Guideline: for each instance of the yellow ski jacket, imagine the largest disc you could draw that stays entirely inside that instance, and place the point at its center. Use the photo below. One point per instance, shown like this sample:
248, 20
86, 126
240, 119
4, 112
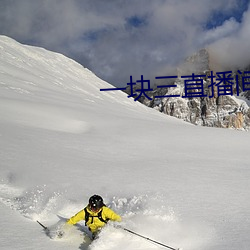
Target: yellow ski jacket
94, 223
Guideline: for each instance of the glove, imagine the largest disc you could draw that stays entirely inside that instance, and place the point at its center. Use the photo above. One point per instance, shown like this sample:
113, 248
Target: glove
60, 234
62, 229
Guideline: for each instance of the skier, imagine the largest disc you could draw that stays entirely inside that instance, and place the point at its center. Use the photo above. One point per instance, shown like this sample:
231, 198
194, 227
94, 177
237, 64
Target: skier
95, 214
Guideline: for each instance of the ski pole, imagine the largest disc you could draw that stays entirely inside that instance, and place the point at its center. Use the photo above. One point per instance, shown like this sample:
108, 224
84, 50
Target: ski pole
45, 228
146, 238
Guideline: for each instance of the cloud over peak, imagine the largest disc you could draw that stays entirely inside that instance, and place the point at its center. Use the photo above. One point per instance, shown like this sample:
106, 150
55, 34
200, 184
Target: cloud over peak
116, 39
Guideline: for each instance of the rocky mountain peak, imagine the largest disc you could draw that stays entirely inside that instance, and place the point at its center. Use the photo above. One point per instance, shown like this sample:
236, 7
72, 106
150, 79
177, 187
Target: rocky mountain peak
204, 104
198, 63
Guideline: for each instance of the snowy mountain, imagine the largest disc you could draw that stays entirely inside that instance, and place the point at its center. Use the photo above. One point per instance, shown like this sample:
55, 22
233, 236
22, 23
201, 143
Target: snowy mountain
212, 110
62, 140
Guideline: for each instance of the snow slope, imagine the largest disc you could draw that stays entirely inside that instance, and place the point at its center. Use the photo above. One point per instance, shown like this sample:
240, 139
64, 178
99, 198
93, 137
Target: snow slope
62, 140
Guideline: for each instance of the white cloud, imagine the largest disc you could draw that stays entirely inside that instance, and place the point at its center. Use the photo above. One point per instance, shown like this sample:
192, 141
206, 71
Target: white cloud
233, 50
228, 28
97, 32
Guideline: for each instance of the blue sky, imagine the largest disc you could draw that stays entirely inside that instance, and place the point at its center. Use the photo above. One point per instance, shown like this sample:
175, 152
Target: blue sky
218, 17
118, 38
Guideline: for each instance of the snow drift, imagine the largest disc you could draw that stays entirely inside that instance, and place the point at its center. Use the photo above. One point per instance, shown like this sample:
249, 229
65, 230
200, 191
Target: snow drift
63, 140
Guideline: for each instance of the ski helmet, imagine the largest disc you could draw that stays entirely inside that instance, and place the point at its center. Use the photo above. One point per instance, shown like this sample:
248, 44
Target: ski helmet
95, 202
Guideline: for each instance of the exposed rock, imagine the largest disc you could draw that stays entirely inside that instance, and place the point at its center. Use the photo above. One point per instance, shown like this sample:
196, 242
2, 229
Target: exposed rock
213, 110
